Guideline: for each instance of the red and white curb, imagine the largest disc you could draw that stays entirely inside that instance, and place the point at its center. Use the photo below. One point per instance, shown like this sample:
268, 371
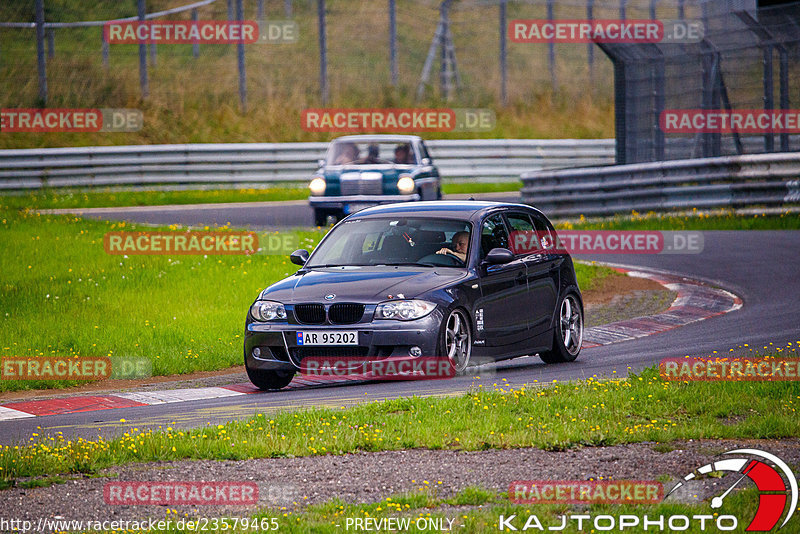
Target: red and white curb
695, 302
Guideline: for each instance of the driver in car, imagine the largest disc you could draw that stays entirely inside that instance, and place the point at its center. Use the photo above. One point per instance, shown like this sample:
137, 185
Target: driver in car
460, 242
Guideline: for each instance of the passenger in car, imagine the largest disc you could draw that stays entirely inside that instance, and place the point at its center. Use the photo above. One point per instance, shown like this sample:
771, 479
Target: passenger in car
460, 242
348, 153
402, 154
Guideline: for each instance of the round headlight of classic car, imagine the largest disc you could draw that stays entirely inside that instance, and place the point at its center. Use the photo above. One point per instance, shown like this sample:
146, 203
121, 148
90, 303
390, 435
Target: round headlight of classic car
267, 310
317, 186
403, 310
406, 185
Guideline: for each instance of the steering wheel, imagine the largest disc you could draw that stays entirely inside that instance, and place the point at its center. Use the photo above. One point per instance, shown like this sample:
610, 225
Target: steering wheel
445, 260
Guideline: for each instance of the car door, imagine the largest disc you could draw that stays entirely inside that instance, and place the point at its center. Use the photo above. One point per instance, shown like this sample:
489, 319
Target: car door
501, 316
528, 233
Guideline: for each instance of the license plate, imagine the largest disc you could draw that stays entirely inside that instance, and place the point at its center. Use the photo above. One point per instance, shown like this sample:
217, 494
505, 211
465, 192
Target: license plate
327, 337
358, 206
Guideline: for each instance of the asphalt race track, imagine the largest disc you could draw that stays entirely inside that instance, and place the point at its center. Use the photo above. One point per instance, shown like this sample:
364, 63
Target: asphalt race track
761, 267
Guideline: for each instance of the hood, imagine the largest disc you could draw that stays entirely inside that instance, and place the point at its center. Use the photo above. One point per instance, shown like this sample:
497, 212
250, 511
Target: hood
366, 285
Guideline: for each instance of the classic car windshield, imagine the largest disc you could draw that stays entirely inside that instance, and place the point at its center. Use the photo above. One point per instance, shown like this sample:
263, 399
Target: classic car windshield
394, 241
345, 152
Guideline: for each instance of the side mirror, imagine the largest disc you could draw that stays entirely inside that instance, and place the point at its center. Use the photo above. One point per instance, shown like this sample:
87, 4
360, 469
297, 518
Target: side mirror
497, 256
426, 161
321, 162
299, 257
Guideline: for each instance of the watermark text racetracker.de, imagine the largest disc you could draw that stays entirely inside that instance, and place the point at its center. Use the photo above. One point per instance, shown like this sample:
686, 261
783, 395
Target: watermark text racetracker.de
200, 31
586, 491
40, 120
605, 31
747, 368
607, 241
730, 120
397, 120
187, 242
75, 368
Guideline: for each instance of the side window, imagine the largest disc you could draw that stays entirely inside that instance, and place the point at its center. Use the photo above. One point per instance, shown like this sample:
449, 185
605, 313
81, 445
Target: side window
423, 152
546, 236
524, 237
493, 234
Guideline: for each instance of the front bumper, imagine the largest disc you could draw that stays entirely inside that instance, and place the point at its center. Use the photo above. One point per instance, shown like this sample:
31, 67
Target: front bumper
277, 343
342, 202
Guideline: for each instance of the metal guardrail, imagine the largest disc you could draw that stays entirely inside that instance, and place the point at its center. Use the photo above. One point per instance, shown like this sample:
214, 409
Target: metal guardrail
179, 166
730, 181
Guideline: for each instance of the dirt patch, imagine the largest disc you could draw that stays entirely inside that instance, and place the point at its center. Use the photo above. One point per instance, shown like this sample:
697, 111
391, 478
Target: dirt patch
616, 285
371, 477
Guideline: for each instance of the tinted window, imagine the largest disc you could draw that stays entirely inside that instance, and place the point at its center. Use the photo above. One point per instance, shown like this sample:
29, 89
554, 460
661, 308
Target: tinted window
543, 229
493, 234
393, 240
524, 238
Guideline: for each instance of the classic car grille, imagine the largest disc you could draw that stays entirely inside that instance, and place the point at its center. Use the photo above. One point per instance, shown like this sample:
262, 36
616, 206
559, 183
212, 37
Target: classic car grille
364, 183
346, 313
310, 313
298, 353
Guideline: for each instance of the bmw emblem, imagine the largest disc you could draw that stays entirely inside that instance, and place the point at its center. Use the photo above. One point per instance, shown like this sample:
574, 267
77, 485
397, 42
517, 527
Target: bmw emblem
330, 296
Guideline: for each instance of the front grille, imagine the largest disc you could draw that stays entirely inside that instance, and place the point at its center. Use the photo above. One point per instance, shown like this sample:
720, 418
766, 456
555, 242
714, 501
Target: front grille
353, 351
309, 313
365, 183
346, 313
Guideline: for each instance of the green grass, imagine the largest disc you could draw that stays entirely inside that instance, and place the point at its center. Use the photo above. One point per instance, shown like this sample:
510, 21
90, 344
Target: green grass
196, 100
67, 199
556, 417
62, 295
484, 515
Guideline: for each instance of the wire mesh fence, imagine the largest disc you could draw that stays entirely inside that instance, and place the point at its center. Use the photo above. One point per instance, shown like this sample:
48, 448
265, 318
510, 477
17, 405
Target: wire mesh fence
394, 53
747, 67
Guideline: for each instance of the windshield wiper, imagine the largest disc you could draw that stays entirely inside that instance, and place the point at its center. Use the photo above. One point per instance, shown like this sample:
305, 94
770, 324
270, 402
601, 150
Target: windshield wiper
406, 264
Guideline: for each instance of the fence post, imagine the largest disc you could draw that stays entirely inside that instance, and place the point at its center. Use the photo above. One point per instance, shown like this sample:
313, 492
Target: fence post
51, 43
783, 75
260, 14
323, 53
503, 34
681, 9
240, 60
551, 47
42, 66
623, 4
195, 45
287, 8
104, 47
393, 41
769, 96
590, 46
230, 10
142, 53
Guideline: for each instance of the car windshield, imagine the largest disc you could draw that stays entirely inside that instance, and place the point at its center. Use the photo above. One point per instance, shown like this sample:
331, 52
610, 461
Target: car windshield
371, 153
394, 241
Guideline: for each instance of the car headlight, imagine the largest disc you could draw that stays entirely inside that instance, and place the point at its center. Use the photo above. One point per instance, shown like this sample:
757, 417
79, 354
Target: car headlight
317, 186
267, 310
403, 310
406, 185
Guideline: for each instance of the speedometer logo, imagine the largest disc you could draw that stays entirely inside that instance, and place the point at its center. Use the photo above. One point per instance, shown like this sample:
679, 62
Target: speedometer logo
776, 487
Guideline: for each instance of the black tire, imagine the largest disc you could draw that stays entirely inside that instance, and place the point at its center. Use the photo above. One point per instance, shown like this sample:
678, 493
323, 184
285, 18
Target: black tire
320, 217
569, 326
459, 361
269, 380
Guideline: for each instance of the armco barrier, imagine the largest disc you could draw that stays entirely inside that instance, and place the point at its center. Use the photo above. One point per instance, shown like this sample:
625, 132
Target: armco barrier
731, 181
200, 165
